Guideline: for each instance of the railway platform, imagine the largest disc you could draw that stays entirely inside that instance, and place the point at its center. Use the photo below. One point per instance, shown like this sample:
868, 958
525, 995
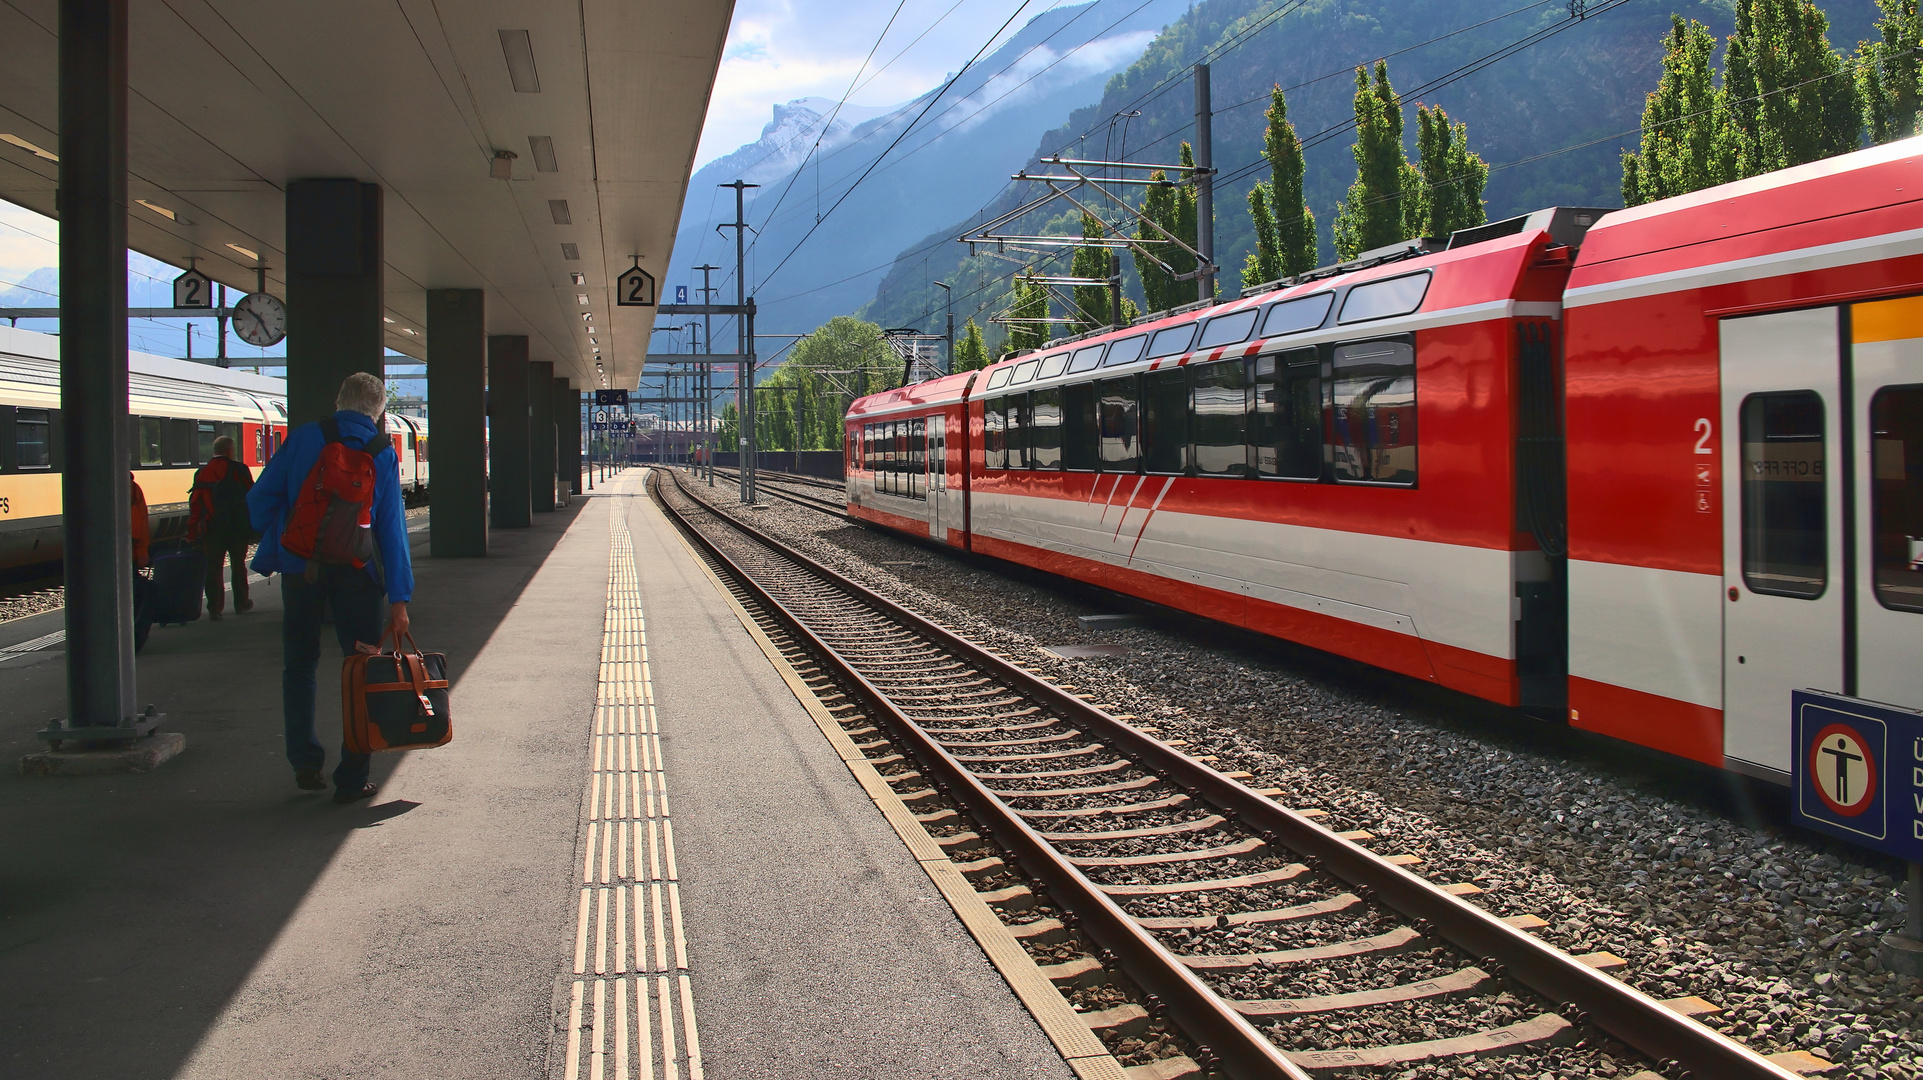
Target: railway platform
639, 857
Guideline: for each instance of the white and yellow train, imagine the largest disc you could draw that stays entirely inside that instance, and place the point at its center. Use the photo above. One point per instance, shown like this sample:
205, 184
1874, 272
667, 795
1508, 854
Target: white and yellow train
176, 409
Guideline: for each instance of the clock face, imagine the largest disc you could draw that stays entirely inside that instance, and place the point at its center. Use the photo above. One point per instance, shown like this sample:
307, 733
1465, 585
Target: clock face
260, 319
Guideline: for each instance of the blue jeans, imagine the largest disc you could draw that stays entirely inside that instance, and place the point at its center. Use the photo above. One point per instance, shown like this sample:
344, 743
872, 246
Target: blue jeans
356, 602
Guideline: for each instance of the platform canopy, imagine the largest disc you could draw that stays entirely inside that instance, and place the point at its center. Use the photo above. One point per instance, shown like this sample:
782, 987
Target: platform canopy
600, 101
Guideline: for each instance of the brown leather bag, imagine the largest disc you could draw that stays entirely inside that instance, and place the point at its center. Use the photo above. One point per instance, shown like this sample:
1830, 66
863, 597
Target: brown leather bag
394, 700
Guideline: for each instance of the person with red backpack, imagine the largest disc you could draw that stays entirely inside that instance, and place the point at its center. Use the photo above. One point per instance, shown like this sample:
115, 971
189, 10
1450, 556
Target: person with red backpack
217, 520
328, 510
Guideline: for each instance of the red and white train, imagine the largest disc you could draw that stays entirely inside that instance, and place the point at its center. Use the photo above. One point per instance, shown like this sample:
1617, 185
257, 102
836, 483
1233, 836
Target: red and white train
1648, 471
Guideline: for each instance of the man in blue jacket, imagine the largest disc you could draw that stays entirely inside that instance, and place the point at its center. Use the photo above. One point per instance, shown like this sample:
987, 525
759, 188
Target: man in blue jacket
354, 595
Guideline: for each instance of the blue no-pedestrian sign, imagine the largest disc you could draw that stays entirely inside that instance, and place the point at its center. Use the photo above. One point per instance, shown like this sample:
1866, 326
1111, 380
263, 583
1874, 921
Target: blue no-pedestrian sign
1857, 772
680, 294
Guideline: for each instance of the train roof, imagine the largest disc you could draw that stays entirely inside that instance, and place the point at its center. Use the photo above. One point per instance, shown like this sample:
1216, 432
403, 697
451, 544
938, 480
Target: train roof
1816, 211
1474, 280
35, 345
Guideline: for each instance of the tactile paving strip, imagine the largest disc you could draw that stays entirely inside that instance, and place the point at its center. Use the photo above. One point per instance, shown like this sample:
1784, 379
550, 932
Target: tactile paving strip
631, 1009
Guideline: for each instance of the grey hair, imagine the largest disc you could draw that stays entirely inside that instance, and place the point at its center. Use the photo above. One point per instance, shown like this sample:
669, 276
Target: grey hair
364, 394
224, 447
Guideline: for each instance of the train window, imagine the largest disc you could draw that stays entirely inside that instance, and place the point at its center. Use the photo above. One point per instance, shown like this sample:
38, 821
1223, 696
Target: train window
1381, 299
1085, 359
994, 445
1785, 515
1172, 341
917, 470
205, 432
1165, 421
1116, 410
1081, 441
1025, 372
1227, 329
1045, 429
1295, 316
1015, 430
150, 441
1219, 421
420, 448
32, 439
999, 378
1896, 496
1053, 366
1125, 351
1372, 412
1287, 428
177, 442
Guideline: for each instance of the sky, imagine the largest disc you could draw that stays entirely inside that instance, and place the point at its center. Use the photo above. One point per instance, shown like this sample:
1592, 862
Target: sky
780, 50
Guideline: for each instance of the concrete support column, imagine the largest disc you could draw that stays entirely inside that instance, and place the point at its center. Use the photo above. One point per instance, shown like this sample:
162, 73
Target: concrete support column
541, 453
507, 432
334, 298
94, 442
567, 434
457, 454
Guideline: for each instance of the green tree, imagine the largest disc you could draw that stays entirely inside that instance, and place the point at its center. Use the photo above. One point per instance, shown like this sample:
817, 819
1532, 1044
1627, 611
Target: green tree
971, 352
1790, 95
1028, 301
1091, 301
1688, 138
1170, 204
1452, 174
801, 404
1889, 76
1285, 238
1385, 203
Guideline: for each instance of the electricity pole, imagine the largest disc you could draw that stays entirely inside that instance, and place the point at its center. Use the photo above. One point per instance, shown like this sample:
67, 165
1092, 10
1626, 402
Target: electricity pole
1204, 186
707, 370
948, 298
745, 371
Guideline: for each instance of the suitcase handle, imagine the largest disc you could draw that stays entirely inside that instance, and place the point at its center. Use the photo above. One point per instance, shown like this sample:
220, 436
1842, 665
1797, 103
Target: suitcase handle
412, 661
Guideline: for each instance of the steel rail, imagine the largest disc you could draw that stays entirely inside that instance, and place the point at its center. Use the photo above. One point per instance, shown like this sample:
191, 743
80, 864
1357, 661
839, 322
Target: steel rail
1583, 994
1222, 1034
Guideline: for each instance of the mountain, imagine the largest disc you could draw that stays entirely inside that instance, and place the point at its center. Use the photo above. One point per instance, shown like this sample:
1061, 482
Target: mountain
1552, 119
958, 156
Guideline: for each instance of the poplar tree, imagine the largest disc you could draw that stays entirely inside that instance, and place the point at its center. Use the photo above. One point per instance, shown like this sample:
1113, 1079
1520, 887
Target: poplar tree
1091, 301
1172, 206
1385, 203
1790, 96
1285, 239
971, 352
1889, 76
1688, 140
1029, 301
1452, 175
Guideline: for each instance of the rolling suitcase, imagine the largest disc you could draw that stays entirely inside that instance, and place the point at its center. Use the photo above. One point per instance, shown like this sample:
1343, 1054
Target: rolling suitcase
394, 700
180, 580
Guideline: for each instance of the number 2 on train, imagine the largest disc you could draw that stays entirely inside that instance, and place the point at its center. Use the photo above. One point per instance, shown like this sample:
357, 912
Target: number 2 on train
1703, 430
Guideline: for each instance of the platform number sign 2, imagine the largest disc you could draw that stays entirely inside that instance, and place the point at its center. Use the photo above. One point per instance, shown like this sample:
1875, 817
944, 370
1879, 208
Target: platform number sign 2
1703, 475
634, 288
193, 289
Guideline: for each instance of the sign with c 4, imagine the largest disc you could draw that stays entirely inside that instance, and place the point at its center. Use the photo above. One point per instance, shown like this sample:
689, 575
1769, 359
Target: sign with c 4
1857, 771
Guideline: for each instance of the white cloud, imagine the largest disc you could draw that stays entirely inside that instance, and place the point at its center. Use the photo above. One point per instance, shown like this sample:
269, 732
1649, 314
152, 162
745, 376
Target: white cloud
779, 50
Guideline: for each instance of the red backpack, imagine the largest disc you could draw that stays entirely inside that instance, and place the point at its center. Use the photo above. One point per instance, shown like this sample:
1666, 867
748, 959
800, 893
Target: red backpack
332, 522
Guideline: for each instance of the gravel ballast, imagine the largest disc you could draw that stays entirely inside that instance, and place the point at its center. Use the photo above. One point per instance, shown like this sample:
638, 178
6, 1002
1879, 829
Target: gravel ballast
1689, 875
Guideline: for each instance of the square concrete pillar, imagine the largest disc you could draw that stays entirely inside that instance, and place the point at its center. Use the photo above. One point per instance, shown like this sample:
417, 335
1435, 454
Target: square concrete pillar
457, 454
567, 433
541, 448
509, 503
334, 297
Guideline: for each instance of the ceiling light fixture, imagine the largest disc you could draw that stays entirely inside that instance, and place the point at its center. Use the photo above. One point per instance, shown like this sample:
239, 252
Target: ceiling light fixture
580, 298
28, 147
518, 50
570, 252
405, 330
502, 167
587, 316
385, 319
161, 210
579, 279
542, 147
254, 255
558, 210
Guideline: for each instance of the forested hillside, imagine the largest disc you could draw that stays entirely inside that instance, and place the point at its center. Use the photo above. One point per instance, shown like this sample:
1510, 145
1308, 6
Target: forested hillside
1551, 102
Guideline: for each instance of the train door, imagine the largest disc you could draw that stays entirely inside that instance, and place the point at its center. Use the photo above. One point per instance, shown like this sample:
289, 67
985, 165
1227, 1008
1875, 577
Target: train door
937, 476
1782, 568
1886, 404
1823, 514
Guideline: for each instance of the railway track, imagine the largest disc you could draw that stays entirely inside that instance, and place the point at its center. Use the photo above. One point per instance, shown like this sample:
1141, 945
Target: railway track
836, 506
1276, 947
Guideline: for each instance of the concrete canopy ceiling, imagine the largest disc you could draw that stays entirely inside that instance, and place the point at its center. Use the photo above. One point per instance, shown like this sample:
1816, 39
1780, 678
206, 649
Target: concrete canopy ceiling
229, 100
